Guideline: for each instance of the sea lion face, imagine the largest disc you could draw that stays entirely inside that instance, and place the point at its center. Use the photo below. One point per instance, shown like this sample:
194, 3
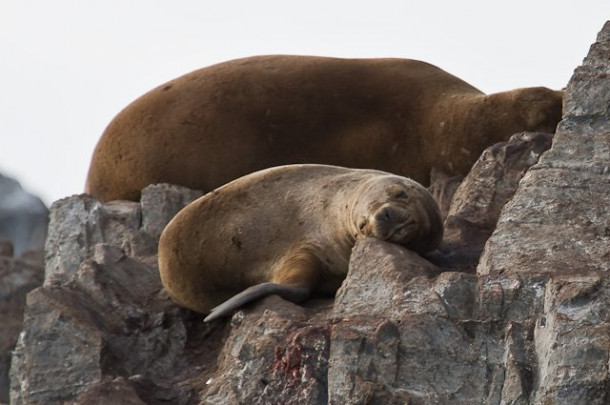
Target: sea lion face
401, 211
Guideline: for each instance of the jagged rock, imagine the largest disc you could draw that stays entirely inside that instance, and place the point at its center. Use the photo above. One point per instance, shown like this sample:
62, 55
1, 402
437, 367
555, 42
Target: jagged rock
23, 217
158, 206
79, 223
426, 339
379, 277
110, 391
17, 277
558, 221
525, 329
494, 178
275, 354
101, 313
476, 203
572, 341
557, 228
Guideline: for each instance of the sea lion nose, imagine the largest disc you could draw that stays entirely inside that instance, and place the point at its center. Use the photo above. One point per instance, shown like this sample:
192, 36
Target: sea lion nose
384, 215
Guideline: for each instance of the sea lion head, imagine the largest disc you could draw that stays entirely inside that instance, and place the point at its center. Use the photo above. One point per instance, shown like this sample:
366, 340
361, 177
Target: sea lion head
527, 109
401, 211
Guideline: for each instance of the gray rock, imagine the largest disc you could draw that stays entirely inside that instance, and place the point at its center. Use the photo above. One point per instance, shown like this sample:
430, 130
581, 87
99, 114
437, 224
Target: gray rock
379, 281
477, 201
59, 353
556, 228
17, 277
572, 341
102, 312
160, 202
494, 178
110, 391
386, 346
273, 355
79, 223
558, 220
454, 338
23, 217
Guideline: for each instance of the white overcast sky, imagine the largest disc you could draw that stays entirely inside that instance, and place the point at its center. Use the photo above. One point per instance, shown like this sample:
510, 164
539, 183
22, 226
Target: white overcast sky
68, 67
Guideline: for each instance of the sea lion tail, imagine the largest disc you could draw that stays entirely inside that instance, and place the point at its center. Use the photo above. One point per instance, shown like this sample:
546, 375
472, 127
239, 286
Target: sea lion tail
287, 292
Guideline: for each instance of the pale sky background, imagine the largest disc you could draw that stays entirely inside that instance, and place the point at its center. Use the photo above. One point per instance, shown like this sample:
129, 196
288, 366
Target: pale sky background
68, 67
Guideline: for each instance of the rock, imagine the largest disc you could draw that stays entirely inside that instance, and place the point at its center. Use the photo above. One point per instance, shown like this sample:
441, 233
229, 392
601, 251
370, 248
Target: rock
110, 391
160, 203
18, 276
556, 228
558, 221
79, 223
273, 355
494, 178
101, 313
477, 201
572, 341
23, 217
379, 278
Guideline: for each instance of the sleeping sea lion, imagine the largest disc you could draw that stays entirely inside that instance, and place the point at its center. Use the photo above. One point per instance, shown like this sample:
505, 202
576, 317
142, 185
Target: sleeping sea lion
289, 231
216, 124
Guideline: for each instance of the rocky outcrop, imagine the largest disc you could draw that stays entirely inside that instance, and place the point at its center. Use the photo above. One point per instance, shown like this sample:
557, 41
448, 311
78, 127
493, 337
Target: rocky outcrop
557, 228
18, 276
559, 217
522, 329
478, 200
102, 322
23, 217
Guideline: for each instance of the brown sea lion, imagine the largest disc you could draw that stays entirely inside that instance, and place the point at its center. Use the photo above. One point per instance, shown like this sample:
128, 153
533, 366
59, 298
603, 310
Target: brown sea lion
216, 124
289, 231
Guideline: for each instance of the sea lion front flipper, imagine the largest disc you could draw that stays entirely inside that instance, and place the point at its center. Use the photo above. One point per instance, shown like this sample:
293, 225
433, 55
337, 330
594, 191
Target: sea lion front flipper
287, 292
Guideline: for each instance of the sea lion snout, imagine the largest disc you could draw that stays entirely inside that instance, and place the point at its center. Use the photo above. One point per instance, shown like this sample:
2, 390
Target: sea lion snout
390, 215
393, 223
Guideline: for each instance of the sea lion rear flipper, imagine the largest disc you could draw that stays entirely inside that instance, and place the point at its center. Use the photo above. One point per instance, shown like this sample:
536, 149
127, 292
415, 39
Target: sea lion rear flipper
287, 292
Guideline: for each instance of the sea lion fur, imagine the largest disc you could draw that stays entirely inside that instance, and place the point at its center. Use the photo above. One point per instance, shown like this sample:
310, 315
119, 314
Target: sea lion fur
218, 123
289, 231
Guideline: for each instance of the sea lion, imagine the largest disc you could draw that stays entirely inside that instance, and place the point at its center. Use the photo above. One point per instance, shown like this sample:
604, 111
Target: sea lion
289, 231
216, 124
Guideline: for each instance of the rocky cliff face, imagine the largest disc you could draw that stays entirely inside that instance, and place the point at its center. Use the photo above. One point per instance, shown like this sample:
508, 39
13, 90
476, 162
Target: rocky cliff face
527, 324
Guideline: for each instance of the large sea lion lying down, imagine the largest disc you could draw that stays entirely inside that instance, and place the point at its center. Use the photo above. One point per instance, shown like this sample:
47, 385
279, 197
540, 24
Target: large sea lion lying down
289, 231
216, 124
